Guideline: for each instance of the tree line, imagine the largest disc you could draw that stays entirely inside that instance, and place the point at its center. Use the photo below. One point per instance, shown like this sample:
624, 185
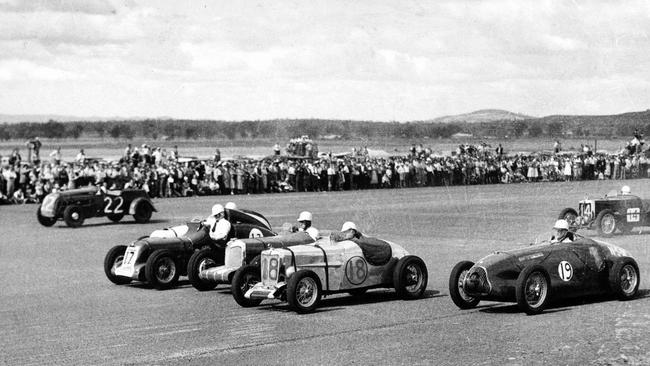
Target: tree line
282, 129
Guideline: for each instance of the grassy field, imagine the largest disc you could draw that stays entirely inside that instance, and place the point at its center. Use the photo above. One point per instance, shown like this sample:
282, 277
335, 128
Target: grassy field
112, 149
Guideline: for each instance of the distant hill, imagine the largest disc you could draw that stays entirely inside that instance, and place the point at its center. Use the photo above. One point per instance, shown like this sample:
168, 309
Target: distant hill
483, 115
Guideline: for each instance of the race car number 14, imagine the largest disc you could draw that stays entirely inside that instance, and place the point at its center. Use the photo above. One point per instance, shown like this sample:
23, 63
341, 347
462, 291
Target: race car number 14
565, 270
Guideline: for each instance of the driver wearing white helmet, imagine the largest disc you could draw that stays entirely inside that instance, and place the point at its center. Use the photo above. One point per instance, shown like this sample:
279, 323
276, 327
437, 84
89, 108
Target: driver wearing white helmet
218, 225
562, 233
349, 231
231, 206
625, 190
304, 221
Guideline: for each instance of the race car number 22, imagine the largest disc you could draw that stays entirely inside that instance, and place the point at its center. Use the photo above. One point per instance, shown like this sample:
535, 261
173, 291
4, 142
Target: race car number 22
565, 270
113, 209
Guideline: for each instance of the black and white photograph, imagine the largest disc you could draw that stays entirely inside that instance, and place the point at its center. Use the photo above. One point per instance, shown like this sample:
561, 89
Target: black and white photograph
454, 182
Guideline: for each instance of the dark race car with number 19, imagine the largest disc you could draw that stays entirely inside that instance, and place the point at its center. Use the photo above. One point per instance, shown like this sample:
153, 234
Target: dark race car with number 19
535, 275
76, 205
616, 211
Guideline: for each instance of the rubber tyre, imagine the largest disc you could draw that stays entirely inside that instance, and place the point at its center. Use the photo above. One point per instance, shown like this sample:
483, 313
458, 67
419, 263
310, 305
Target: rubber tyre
456, 292
199, 261
142, 213
69, 215
242, 281
112, 260
161, 270
606, 218
115, 217
304, 291
45, 221
570, 215
524, 292
410, 277
624, 278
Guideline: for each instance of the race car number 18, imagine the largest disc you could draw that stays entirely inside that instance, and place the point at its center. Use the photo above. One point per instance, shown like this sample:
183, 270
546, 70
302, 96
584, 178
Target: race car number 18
565, 270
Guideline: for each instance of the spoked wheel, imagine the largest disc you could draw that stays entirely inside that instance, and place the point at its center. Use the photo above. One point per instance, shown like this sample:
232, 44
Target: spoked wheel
570, 215
199, 262
457, 286
304, 291
161, 270
533, 289
606, 223
245, 278
410, 277
624, 278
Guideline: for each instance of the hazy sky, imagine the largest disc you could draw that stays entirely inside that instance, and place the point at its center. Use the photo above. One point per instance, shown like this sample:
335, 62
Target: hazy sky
373, 60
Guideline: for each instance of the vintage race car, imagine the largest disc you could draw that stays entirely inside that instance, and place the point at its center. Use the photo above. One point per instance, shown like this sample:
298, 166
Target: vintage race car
163, 256
607, 214
535, 275
76, 205
302, 274
204, 274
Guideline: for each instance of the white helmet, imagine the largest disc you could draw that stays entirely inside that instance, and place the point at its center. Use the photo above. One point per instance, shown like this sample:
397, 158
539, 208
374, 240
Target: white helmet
304, 216
561, 224
231, 206
626, 190
217, 209
349, 225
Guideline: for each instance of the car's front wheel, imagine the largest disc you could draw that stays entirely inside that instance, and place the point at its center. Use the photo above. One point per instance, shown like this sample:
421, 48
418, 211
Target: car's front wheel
533, 289
200, 261
570, 215
245, 278
143, 212
114, 259
45, 221
457, 286
606, 223
73, 216
624, 278
161, 270
304, 291
410, 277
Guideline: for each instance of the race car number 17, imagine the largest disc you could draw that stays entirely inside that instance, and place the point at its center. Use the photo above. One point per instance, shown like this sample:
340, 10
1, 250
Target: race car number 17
565, 270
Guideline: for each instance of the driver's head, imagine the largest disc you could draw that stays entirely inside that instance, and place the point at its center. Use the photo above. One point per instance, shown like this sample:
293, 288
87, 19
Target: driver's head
626, 190
231, 206
561, 228
304, 219
217, 211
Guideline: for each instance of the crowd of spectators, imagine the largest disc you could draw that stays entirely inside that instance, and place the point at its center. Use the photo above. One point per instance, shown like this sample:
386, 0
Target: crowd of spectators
164, 173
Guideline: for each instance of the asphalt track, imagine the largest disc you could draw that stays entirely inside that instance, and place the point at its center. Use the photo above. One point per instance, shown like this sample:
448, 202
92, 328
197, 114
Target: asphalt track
57, 307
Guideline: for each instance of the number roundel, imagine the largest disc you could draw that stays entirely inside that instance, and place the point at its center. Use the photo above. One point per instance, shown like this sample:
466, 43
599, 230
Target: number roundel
565, 271
356, 270
255, 233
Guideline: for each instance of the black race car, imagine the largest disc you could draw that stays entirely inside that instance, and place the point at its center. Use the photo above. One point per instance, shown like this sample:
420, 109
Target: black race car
76, 205
163, 256
615, 211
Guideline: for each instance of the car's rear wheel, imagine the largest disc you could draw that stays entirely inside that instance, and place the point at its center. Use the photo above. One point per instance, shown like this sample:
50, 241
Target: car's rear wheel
533, 291
43, 220
304, 291
114, 259
457, 284
200, 261
73, 216
606, 223
115, 217
410, 277
570, 215
143, 212
245, 278
624, 278
161, 270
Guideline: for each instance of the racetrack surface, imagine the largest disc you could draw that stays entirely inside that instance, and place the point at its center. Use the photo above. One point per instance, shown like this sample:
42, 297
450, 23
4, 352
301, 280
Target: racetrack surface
57, 307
